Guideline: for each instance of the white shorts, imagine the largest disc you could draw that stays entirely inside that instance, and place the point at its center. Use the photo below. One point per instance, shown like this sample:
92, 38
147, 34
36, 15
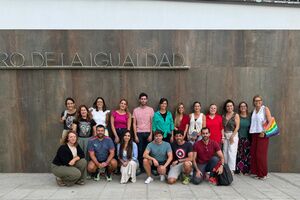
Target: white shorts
176, 170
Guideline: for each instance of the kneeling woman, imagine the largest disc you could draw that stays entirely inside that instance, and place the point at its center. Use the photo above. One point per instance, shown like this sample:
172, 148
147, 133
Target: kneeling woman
127, 155
69, 164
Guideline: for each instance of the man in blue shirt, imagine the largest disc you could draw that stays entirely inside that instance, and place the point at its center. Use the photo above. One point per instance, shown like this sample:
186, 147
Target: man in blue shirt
102, 151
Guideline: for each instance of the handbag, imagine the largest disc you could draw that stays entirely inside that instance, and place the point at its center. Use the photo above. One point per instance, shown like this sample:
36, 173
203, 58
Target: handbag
226, 177
271, 130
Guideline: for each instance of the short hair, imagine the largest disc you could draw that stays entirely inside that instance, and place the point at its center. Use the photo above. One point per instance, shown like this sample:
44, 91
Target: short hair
100, 126
196, 103
162, 100
69, 99
158, 132
256, 96
243, 102
205, 128
143, 95
177, 132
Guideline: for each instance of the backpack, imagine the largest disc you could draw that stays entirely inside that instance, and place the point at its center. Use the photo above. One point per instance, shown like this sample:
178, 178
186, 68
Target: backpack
226, 177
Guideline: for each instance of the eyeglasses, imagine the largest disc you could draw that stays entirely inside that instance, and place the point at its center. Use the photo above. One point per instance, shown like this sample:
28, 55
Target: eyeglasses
257, 100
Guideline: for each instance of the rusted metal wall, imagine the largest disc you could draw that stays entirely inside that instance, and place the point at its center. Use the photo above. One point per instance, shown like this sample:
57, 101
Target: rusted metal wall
224, 64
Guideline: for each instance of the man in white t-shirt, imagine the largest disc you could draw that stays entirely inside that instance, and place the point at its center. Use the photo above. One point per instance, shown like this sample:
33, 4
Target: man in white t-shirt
142, 123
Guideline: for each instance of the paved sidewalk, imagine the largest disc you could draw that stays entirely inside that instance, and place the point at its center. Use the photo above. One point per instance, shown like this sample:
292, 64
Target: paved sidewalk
43, 186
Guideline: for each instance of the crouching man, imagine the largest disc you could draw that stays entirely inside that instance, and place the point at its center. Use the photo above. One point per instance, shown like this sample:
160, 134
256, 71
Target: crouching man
102, 151
183, 156
208, 157
158, 155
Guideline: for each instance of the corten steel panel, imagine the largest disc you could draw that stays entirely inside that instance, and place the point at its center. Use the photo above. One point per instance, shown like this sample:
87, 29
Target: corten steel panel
224, 64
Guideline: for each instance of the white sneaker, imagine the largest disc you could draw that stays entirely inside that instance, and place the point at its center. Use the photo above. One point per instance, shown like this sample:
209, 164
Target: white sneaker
148, 180
162, 178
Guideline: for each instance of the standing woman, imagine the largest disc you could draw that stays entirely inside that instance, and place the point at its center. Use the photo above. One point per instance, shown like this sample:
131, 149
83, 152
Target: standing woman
69, 164
231, 123
259, 147
181, 120
163, 121
100, 113
215, 125
67, 117
127, 152
120, 121
243, 153
85, 127
197, 120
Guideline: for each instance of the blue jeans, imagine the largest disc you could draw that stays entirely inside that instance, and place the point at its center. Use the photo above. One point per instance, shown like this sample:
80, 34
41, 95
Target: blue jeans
206, 167
143, 142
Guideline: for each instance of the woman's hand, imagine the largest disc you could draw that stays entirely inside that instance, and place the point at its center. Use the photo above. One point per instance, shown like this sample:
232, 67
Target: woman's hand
117, 139
72, 162
231, 139
125, 163
261, 135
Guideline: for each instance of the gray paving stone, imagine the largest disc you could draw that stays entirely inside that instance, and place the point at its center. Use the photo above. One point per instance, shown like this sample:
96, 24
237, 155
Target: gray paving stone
43, 186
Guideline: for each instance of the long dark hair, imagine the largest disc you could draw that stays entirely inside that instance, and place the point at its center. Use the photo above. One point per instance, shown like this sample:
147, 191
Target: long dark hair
95, 104
129, 146
225, 104
79, 117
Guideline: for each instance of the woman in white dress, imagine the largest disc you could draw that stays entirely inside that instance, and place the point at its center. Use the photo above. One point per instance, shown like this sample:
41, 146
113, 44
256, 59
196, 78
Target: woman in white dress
127, 154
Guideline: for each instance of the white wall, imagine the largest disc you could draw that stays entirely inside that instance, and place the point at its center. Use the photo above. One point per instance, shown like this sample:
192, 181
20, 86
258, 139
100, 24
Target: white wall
93, 14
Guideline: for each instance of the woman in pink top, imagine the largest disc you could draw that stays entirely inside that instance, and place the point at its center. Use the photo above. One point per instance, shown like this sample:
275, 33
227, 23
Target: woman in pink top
214, 123
120, 120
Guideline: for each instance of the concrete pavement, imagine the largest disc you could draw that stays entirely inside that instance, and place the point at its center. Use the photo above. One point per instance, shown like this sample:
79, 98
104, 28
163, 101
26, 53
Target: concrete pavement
43, 186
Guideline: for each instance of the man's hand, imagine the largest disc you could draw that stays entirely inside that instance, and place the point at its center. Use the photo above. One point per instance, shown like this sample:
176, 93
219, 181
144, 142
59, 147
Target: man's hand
149, 139
220, 169
104, 164
136, 139
198, 173
175, 162
155, 163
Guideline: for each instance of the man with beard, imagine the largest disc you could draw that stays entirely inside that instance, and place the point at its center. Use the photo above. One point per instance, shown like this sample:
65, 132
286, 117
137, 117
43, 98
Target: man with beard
183, 156
101, 150
208, 157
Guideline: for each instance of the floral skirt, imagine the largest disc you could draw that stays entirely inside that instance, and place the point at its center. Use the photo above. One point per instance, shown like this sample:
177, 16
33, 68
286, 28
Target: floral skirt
243, 156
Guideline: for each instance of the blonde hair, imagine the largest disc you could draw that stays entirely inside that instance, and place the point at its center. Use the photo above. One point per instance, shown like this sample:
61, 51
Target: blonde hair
177, 119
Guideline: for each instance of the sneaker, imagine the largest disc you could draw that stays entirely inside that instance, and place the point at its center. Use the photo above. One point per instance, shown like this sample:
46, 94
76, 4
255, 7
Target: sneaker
97, 176
108, 177
162, 178
60, 182
88, 177
148, 180
186, 180
213, 180
80, 182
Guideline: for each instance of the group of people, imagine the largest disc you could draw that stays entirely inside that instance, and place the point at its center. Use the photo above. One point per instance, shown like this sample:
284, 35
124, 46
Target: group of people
96, 141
